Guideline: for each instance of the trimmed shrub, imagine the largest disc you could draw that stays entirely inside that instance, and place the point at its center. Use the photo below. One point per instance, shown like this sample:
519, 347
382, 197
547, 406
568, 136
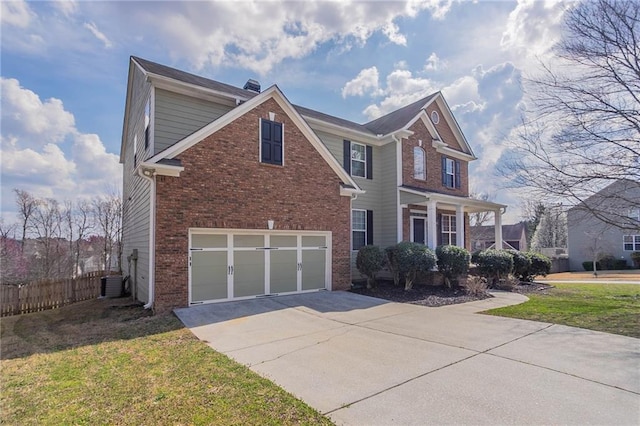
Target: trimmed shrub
540, 265
452, 262
607, 262
413, 258
370, 261
392, 262
521, 265
494, 264
476, 286
588, 265
635, 257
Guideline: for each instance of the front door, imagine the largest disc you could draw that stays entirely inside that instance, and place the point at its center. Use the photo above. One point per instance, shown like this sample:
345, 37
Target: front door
419, 230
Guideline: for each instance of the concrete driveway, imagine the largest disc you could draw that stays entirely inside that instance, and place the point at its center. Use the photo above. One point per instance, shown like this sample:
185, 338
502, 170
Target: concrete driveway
365, 361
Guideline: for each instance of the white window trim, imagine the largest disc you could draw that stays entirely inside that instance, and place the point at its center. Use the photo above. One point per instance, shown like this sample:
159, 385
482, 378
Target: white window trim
635, 242
424, 163
362, 161
365, 230
452, 221
453, 171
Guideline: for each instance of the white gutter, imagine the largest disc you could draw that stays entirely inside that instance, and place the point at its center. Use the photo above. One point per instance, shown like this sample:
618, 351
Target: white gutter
399, 227
149, 175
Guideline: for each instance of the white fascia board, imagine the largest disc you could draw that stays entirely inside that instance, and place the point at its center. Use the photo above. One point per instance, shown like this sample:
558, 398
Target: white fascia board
444, 149
127, 109
470, 203
453, 123
323, 126
300, 122
177, 86
351, 191
162, 169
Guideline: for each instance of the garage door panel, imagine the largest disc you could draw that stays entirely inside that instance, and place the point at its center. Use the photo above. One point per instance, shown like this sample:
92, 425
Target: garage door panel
284, 271
248, 273
208, 276
208, 241
313, 269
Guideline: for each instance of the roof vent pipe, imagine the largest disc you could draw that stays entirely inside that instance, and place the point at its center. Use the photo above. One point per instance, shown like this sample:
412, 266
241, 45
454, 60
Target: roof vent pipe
252, 85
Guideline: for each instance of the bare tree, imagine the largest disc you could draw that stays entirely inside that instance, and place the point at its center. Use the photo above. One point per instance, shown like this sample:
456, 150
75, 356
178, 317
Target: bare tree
47, 227
26, 206
582, 131
552, 229
107, 212
480, 218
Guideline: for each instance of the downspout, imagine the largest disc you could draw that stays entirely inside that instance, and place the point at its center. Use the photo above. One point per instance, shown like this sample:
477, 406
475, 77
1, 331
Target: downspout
399, 230
149, 175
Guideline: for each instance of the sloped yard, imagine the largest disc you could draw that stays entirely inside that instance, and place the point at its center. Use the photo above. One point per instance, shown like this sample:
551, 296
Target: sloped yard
109, 362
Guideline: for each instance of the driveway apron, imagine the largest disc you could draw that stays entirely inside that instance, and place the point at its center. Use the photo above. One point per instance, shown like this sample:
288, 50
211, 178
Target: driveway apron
366, 361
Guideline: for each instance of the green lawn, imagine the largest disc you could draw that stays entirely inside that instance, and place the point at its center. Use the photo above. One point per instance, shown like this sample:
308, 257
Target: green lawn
612, 308
100, 363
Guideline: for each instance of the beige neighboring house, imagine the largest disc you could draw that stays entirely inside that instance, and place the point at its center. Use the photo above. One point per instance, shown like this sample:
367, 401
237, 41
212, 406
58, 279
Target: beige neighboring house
616, 232
514, 237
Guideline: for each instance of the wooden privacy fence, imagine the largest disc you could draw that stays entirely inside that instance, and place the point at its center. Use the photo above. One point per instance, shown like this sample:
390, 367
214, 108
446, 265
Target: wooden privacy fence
48, 294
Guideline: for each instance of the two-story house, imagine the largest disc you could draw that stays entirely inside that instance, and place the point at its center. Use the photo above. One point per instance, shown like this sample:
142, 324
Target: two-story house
234, 193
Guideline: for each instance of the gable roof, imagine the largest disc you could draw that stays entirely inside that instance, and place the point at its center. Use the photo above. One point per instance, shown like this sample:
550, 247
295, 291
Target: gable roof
274, 93
399, 118
509, 232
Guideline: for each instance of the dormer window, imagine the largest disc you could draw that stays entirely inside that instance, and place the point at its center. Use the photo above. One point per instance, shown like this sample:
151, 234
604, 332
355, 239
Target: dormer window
271, 142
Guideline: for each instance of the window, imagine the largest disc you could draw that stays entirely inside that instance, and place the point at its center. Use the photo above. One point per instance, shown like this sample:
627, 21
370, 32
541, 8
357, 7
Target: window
419, 164
634, 214
448, 230
358, 160
450, 173
361, 228
435, 118
631, 242
147, 121
271, 142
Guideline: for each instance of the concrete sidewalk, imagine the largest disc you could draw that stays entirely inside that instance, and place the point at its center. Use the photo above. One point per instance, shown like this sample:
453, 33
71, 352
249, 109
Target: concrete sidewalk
365, 361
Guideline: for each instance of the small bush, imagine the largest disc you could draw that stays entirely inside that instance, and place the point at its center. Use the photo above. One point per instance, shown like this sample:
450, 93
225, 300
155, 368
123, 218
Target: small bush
474, 256
392, 262
494, 264
452, 262
540, 265
588, 265
607, 262
476, 286
412, 259
370, 261
635, 257
521, 265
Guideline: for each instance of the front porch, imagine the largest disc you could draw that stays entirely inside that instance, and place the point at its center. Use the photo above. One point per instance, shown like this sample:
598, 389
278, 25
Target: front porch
435, 219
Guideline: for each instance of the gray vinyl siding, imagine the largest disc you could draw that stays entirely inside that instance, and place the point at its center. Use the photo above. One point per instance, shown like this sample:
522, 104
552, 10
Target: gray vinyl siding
334, 143
177, 115
388, 202
135, 221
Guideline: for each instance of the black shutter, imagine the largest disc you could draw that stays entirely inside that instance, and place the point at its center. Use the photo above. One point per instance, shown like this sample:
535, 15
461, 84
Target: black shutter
457, 174
369, 162
276, 144
444, 170
267, 145
369, 227
346, 149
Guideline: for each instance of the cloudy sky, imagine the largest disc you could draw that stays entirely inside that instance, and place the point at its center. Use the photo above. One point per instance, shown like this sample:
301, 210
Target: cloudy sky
64, 72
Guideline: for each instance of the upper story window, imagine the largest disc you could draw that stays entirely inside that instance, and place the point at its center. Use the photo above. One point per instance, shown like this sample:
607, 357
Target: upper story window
435, 118
361, 228
358, 159
631, 242
147, 122
419, 163
271, 142
450, 172
634, 213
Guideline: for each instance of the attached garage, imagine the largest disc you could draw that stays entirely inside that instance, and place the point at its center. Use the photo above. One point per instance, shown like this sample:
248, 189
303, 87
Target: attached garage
239, 264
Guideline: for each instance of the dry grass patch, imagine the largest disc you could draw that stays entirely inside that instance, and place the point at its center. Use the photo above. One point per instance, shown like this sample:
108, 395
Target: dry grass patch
109, 362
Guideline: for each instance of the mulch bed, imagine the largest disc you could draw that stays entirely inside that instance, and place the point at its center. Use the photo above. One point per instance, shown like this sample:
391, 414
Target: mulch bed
433, 296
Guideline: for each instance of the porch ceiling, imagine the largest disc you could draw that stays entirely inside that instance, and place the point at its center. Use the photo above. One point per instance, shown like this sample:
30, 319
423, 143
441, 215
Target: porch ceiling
446, 201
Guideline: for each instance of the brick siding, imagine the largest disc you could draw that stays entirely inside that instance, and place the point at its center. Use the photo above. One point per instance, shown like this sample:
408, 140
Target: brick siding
225, 186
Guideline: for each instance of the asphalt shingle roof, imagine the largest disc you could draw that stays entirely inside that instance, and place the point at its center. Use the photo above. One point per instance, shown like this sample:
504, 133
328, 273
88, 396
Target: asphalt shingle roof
399, 118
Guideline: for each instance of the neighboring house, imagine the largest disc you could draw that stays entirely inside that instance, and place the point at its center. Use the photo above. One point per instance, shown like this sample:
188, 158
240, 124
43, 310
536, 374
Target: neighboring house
607, 223
235, 193
514, 237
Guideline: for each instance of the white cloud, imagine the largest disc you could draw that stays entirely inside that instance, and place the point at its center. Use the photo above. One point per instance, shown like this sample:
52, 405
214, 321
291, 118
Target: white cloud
365, 81
98, 34
391, 30
533, 27
24, 113
15, 13
43, 153
434, 63
67, 7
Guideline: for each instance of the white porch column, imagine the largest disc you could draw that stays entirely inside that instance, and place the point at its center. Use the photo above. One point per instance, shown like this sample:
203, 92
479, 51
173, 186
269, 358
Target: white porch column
432, 229
498, 227
460, 225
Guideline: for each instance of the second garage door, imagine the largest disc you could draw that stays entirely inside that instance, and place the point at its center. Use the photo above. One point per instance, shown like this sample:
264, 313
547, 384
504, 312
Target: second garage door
226, 265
